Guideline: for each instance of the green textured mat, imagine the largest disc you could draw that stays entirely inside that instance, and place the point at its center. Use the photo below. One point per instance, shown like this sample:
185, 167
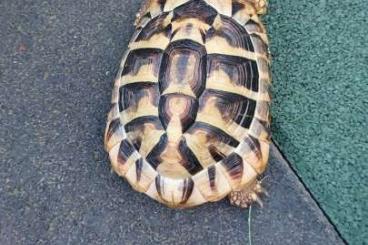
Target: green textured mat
320, 72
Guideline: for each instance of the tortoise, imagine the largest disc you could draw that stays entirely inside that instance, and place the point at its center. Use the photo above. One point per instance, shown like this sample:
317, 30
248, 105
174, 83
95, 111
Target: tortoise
190, 121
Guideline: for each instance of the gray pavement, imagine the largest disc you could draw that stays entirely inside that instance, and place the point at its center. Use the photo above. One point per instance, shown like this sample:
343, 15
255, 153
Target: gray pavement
57, 64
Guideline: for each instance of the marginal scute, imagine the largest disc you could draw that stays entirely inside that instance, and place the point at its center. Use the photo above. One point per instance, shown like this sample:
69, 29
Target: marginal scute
259, 45
122, 157
114, 133
260, 130
234, 165
239, 13
264, 71
126, 150
189, 120
212, 184
252, 26
141, 175
259, 32
175, 193
263, 111
255, 153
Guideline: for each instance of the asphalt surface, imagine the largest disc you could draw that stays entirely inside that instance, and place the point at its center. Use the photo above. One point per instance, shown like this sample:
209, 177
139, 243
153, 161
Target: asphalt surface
57, 64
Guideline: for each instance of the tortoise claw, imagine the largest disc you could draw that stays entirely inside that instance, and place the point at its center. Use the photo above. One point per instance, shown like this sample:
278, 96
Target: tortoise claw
248, 195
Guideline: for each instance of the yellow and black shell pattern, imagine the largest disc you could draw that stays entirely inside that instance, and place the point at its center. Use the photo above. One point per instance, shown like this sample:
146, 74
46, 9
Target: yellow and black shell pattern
190, 119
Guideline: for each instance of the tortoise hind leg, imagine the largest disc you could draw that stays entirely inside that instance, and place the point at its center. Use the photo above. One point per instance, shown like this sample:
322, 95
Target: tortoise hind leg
246, 197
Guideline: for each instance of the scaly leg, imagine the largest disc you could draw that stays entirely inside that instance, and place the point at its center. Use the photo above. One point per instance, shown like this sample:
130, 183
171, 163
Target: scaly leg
142, 11
248, 195
259, 5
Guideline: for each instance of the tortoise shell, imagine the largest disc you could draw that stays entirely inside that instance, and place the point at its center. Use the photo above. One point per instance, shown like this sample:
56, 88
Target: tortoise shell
190, 120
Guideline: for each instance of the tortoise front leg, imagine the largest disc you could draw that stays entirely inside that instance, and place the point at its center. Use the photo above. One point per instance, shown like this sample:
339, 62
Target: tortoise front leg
260, 6
142, 11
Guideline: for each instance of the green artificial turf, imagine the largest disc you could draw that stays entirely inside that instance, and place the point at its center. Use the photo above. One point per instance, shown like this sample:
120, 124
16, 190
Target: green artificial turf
320, 90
